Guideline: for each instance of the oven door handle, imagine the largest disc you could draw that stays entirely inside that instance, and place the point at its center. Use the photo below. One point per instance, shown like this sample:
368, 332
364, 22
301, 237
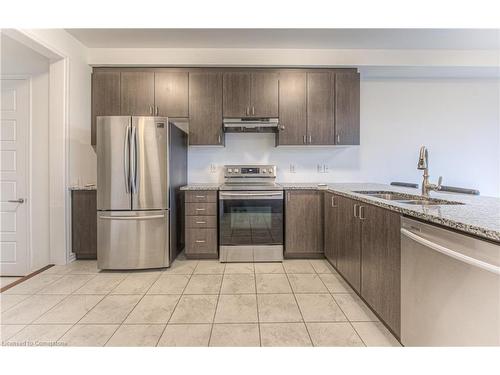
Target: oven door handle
276, 195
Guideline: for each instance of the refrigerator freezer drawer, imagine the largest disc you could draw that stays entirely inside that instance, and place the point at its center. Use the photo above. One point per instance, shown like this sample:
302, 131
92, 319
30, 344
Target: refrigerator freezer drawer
132, 239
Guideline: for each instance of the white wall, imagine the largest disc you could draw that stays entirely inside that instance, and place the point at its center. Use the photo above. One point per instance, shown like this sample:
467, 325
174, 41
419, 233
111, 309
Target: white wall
16, 59
457, 119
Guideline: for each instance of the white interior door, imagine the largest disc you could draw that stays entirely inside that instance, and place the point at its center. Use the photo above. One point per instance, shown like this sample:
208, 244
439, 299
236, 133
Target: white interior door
14, 168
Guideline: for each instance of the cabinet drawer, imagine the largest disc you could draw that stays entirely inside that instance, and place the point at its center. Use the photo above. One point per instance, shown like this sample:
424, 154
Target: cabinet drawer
203, 196
201, 222
201, 209
201, 241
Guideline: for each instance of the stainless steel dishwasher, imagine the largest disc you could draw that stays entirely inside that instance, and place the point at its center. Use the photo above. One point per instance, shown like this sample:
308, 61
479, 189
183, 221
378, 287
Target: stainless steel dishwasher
450, 288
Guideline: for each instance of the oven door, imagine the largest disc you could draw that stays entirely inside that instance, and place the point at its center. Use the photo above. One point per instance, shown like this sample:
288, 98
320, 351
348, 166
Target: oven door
251, 226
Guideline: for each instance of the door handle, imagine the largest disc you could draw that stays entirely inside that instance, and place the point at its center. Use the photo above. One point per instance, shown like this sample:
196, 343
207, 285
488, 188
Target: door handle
20, 200
132, 217
126, 156
136, 161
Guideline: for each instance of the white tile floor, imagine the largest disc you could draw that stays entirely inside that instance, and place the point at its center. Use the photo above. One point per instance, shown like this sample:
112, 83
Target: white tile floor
193, 303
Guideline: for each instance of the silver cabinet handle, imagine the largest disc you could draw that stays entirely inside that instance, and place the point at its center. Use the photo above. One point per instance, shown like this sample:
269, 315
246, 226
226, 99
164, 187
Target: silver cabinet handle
201, 196
219, 138
150, 109
304, 139
333, 202
253, 110
20, 200
282, 127
200, 241
200, 209
201, 222
361, 213
246, 111
156, 111
338, 138
356, 210
310, 138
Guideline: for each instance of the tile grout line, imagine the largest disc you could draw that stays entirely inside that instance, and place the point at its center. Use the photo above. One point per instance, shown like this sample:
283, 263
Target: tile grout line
173, 310
257, 305
216, 305
298, 306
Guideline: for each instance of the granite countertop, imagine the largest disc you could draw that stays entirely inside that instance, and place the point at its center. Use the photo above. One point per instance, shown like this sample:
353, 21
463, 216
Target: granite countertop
478, 215
209, 186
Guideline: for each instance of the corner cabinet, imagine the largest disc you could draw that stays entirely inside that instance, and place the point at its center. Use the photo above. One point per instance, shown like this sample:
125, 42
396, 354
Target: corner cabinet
362, 242
303, 223
105, 98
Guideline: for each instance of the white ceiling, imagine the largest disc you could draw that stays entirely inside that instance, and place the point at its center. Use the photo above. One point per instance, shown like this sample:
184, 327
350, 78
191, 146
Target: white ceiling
291, 38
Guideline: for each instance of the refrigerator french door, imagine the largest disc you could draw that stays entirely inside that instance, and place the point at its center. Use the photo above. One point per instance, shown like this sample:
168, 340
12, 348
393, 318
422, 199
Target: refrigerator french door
132, 192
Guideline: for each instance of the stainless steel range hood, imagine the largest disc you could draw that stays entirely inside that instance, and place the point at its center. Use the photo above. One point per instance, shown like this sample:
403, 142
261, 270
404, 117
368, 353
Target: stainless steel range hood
250, 125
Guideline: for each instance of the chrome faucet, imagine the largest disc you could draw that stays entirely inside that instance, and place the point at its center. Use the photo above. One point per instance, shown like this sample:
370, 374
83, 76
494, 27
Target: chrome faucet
423, 164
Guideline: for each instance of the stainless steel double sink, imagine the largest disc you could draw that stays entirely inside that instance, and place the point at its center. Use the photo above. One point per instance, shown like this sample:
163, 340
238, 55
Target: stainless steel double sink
406, 198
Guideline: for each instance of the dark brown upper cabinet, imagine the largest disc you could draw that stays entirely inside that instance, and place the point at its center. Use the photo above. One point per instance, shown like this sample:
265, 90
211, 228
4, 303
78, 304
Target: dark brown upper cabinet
105, 97
292, 108
205, 108
320, 108
347, 92
171, 93
250, 94
303, 223
137, 93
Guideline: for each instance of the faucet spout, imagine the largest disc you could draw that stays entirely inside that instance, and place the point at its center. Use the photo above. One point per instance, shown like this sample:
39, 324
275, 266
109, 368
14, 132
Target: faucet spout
423, 159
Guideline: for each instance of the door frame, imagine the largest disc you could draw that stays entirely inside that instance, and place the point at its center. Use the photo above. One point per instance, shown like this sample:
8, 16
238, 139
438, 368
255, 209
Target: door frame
59, 194
28, 166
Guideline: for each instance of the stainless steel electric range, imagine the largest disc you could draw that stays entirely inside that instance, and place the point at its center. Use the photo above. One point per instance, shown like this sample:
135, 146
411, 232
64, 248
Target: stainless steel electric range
250, 215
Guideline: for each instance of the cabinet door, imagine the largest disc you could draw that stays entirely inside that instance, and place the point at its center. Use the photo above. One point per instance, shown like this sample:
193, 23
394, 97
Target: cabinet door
264, 94
205, 108
333, 229
137, 93
347, 108
105, 97
292, 108
349, 243
84, 223
320, 108
381, 263
171, 94
303, 223
236, 94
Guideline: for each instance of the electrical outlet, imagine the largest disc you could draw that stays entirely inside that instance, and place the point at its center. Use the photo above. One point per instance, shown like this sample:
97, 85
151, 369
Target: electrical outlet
318, 167
292, 168
325, 168
213, 168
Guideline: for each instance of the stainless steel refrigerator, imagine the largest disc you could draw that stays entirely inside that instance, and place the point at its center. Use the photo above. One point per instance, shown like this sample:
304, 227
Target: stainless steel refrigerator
141, 165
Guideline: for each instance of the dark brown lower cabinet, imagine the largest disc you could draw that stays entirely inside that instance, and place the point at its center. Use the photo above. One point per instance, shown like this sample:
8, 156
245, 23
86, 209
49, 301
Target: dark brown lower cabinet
363, 242
303, 223
201, 224
347, 231
381, 263
84, 223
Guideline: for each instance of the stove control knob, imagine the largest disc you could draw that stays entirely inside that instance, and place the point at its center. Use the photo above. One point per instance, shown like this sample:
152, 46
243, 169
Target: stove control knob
230, 170
270, 170
236, 170
264, 170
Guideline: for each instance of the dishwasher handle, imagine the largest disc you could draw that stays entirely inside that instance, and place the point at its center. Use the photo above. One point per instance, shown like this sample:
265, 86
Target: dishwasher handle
448, 252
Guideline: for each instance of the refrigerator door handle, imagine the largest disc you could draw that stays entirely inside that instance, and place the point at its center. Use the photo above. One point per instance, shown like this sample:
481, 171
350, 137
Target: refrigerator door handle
151, 217
126, 158
134, 160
